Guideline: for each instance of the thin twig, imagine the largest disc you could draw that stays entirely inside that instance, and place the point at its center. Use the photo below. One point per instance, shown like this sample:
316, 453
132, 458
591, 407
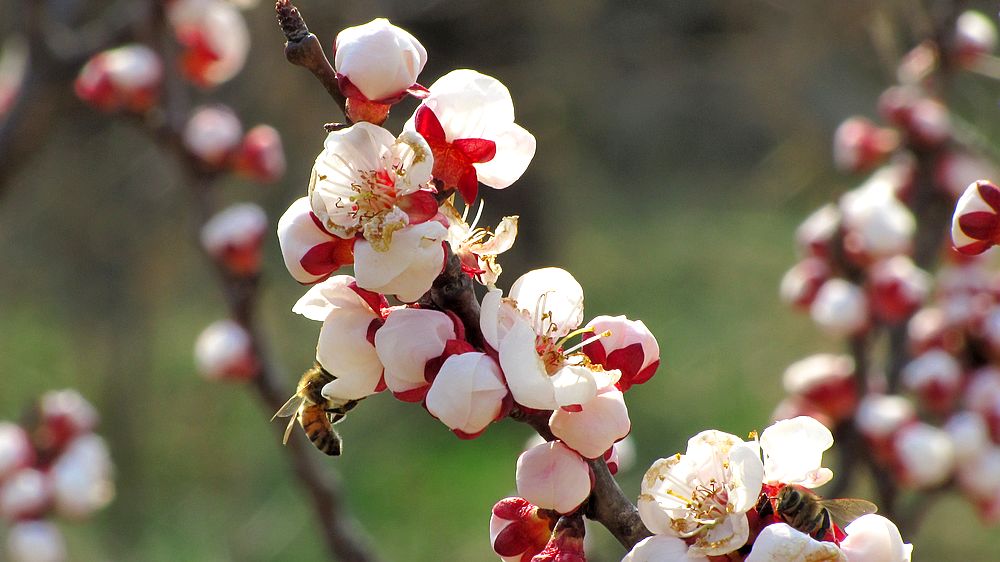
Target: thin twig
304, 49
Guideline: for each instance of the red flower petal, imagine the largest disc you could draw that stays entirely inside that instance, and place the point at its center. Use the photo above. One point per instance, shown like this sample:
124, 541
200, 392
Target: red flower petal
468, 185
476, 150
428, 125
325, 258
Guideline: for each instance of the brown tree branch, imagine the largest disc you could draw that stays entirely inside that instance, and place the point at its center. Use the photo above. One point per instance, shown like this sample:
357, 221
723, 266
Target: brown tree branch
304, 49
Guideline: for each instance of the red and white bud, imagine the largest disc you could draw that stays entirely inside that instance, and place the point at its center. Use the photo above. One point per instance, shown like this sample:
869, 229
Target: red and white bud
630, 348
955, 170
36, 541
936, 377
594, 429
621, 456
346, 347
25, 494
975, 36
81, 477
979, 476
779, 542
261, 156
879, 416
800, 284
520, 530
969, 434
925, 454
16, 451
840, 308
860, 145
825, 381
975, 226
234, 237
929, 329
126, 77
468, 393
376, 64
215, 38
65, 414
406, 342
662, 548
877, 225
873, 538
311, 253
224, 351
212, 134
897, 288
552, 476
566, 544
814, 237
468, 121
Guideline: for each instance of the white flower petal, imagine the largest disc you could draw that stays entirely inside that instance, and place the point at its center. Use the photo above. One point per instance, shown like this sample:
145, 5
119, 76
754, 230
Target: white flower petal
553, 297
873, 538
793, 452
592, 431
779, 542
379, 58
515, 147
529, 383
297, 234
344, 351
552, 476
409, 266
468, 392
662, 549
323, 298
409, 338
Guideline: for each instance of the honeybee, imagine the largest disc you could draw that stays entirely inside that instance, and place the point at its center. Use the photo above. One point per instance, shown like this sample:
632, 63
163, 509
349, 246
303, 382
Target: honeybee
315, 413
802, 509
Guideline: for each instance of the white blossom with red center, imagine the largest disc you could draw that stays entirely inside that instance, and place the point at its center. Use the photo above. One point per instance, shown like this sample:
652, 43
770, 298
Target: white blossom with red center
814, 237
826, 382
468, 393
468, 120
793, 452
261, 156
213, 134
224, 351
627, 346
975, 36
234, 237
897, 288
126, 77
800, 284
377, 64
703, 495
859, 145
215, 39
936, 377
593, 430
975, 226
478, 248
553, 476
346, 349
969, 434
65, 414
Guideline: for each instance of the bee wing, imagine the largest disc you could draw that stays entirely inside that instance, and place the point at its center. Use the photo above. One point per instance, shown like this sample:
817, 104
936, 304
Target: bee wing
843, 511
288, 429
289, 408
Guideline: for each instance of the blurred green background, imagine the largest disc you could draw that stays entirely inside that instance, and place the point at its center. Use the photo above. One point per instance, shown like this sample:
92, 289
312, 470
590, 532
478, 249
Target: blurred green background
679, 145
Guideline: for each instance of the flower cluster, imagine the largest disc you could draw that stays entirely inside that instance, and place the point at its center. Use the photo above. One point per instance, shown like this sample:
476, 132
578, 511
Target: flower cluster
729, 497
54, 466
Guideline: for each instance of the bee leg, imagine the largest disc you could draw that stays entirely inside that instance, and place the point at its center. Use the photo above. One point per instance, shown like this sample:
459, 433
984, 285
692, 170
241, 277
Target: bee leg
764, 507
824, 526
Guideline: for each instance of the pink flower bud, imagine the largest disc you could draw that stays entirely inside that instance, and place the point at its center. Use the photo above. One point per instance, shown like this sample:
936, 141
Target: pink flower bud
234, 237
552, 476
468, 393
631, 348
859, 145
81, 477
65, 414
975, 36
520, 530
26, 494
16, 451
224, 351
212, 134
311, 253
873, 538
593, 430
406, 342
261, 157
826, 381
35, 541
975, 227
925, 454
801, 283
897, 288
215, 39
378, 61
840, 308
936, 377
566, 544
126, 77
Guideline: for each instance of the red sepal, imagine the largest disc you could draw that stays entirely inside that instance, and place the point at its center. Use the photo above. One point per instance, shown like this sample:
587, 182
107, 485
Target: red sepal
377, 302
413, 395
326, 258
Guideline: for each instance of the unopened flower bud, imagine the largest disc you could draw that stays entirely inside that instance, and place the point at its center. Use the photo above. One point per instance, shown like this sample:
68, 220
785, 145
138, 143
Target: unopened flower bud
468, 393
552, 476
975, 36
215, 39
814, 237
826, 381
618, 343
234, 237
873, 538
969, 434
975, 226
925, 453
212, 134
936, 377
877, 225
81, 477
126, 77
859, 145
261, 156
25, 494
897, 288
880, 416
15, 449
929, 329
800, 284
594, 429
979, 476
408, 340
224, 351
65, 414
35, 541
520, 530
840, 308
